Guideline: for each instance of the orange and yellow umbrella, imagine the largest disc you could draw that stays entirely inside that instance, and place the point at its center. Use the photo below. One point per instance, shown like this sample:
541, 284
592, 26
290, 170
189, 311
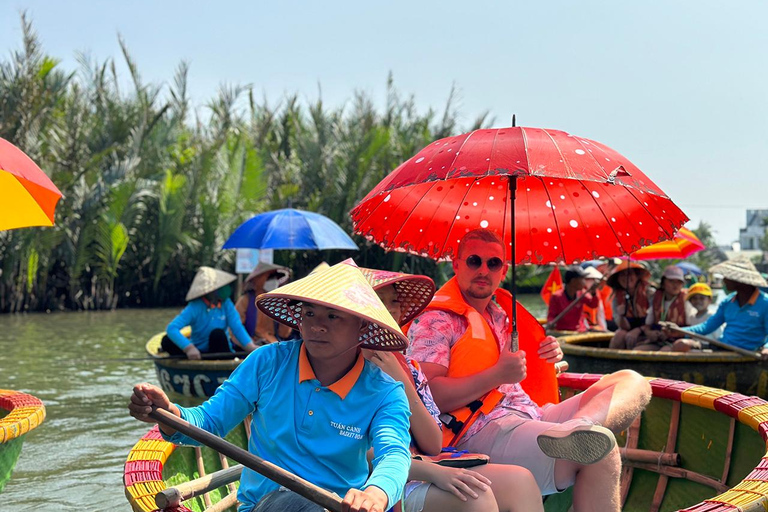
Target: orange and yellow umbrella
682, 245
27, 196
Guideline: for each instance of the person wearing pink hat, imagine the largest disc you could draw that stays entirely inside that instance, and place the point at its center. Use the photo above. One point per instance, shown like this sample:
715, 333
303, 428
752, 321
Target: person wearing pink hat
667, 305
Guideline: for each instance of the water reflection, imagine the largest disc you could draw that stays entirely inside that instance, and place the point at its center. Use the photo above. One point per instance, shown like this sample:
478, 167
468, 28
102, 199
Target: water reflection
74, 460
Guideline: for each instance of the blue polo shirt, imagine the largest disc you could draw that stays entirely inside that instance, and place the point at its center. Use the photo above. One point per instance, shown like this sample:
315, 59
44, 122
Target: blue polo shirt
203, 319
319, 433
745, 326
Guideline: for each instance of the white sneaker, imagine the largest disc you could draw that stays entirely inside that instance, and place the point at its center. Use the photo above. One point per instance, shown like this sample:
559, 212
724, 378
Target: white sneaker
577, 440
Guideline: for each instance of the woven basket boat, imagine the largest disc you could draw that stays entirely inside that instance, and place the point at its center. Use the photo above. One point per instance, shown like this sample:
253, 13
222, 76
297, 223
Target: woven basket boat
695, 448
20, 413
187, 379
589, 353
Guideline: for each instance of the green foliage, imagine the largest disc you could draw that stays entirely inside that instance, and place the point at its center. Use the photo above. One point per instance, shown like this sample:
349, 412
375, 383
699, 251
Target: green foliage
153, 187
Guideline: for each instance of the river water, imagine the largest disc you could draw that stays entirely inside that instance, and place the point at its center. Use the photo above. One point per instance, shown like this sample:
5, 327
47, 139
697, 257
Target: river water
74, 460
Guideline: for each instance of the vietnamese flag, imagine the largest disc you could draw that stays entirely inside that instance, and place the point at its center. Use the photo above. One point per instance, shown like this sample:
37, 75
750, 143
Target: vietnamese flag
554, 283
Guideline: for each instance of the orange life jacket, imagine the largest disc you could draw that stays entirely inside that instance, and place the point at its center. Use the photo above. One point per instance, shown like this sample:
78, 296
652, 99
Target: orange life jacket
478, 350
638, 307
676, 311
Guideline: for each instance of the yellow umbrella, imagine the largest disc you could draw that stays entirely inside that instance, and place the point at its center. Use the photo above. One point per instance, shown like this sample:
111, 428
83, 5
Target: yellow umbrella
27, 196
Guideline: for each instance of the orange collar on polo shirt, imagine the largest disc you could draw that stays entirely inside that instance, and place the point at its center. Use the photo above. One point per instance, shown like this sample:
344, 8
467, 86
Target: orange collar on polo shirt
342, 386
211, 305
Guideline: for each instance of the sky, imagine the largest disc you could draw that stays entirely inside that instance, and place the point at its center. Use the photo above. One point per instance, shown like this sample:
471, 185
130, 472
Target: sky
678, 87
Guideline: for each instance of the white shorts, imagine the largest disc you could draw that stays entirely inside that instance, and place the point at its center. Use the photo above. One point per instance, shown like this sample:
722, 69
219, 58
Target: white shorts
415, 496
512, 440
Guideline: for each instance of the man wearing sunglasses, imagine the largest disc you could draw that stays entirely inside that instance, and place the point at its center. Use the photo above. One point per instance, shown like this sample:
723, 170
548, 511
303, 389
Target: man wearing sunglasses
462, 344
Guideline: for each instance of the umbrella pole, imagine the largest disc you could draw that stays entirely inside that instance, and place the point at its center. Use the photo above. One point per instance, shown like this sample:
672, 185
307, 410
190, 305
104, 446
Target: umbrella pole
512, 183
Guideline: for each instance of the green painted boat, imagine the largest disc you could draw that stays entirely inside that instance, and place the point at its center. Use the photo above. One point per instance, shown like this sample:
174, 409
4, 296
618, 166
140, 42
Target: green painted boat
695, 448
589, 353
20, 413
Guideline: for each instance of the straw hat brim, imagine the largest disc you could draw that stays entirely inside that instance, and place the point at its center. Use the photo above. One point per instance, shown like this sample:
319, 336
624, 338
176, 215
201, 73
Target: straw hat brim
207, 280
741, 271
341, 287
286, 309
613, 279
263, 268
413, 291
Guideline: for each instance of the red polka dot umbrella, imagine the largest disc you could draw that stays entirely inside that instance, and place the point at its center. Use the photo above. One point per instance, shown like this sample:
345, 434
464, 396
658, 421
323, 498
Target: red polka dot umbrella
573, 199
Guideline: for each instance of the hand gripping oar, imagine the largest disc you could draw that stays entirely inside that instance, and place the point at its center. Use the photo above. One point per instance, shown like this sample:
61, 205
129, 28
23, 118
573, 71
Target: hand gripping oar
249, 460
674, 328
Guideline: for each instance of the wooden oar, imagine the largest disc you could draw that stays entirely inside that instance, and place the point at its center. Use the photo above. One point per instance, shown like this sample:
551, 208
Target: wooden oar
674, 328
249, 460
173, 496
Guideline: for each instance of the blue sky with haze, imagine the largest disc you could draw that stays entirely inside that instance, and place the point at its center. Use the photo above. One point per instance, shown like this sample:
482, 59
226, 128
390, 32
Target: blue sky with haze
679, 87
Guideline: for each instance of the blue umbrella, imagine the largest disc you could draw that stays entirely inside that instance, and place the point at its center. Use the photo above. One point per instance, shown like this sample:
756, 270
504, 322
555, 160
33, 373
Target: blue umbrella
289, 229
690, 268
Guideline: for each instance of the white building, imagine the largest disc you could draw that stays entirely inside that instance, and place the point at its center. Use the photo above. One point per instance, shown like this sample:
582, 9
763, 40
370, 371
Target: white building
750, 237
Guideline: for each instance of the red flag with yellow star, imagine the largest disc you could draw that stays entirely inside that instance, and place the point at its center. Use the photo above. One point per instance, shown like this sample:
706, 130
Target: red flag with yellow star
554, 282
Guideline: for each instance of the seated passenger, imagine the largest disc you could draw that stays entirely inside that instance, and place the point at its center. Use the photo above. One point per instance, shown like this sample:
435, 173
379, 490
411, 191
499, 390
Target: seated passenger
433, 487
668, 305
210, 313
698, 300
262, 329
744, 312
596, 317
631, 301
463, 343
317, 405
561, 300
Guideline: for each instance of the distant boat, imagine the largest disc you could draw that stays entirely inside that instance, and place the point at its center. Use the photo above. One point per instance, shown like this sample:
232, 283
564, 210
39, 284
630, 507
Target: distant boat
20, 413
694, 446
589, 353
184, 378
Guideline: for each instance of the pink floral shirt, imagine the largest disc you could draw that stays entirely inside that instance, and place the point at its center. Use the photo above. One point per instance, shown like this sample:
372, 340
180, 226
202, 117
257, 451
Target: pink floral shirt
433, 334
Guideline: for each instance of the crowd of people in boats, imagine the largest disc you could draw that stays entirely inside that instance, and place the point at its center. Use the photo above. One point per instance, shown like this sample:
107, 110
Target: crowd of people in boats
620, 298
387, 392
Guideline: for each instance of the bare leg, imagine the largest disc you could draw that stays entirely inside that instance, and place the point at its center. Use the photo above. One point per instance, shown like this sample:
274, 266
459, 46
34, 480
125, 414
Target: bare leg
615, 400
618, 339
439, 500
596, 486
514, 487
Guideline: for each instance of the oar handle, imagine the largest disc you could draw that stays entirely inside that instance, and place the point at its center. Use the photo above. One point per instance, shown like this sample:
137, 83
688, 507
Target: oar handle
674, 328
249, 460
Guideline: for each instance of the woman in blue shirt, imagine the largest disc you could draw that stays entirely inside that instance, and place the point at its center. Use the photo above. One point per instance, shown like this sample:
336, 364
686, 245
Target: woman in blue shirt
210, 313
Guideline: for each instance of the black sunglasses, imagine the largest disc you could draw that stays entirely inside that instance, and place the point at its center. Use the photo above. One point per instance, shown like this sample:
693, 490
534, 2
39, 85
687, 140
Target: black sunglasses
474, 262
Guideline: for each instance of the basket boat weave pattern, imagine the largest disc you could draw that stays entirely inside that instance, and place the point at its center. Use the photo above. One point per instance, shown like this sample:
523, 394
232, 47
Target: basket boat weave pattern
26, 412
143, 475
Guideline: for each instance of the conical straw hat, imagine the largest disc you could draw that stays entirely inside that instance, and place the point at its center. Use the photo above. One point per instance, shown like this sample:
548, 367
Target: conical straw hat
741, 270
414, 292
341, 287
263, 267
320, 267
207, 280
613, 279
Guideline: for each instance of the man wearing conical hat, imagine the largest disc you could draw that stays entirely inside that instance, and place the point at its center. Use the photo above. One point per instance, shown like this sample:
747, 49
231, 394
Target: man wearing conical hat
744, 312
264, 278
210, 313
317, 406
